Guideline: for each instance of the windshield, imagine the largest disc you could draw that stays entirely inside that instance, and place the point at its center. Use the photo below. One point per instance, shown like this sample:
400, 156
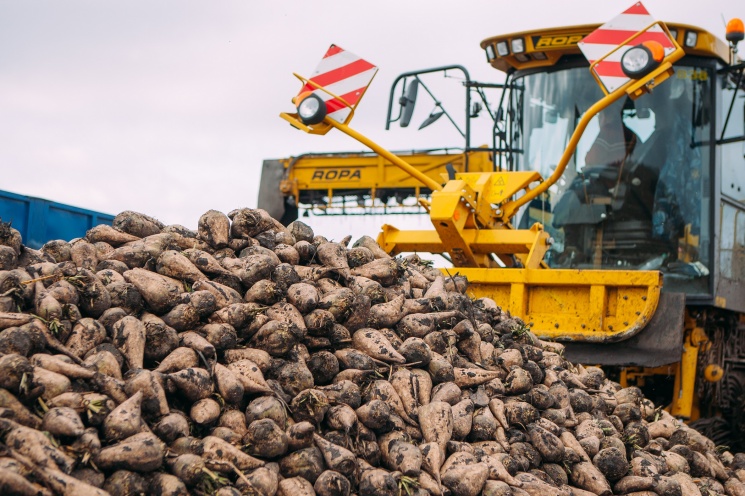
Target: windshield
635, 193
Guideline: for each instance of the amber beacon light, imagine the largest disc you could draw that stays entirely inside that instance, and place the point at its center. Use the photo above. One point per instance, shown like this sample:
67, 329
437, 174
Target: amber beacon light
735, 31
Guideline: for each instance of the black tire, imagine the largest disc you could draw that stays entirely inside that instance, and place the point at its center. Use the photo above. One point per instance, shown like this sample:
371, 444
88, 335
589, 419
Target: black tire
291, 213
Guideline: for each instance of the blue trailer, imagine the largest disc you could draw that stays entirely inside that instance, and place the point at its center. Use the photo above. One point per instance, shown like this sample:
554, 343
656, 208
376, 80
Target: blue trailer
40, 220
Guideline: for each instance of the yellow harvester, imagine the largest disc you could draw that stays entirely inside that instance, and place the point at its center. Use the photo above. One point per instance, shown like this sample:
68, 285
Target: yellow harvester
609, 219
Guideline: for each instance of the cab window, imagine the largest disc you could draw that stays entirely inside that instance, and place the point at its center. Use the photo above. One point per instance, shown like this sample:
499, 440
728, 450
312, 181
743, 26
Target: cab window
732, 137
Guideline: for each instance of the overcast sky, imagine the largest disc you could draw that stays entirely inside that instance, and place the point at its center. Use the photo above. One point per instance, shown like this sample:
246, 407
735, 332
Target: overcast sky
169, 107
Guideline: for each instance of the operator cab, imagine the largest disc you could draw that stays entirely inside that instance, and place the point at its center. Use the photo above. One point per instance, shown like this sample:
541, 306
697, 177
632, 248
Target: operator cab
633, 188
637, 193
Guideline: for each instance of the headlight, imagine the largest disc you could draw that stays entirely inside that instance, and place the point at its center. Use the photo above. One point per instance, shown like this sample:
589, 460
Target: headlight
635, 60
691, 39
490, 55
502, 48
640, 60
518, 45
311, 109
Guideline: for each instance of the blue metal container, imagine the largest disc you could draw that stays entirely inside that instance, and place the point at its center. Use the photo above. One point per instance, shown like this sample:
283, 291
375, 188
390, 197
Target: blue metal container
40, 220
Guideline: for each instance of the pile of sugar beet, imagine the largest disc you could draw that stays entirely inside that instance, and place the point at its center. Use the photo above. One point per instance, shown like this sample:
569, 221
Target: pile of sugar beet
252, 358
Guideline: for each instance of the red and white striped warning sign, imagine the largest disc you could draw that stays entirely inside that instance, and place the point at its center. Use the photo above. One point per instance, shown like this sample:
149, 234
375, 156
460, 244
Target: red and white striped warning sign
344, 74
611, 34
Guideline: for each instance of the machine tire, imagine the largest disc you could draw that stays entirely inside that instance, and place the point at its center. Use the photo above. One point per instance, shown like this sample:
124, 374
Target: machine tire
290, 214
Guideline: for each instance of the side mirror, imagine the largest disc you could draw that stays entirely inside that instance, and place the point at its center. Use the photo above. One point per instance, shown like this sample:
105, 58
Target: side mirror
431, 119
643, 113
475, 109
552, 116
407, 102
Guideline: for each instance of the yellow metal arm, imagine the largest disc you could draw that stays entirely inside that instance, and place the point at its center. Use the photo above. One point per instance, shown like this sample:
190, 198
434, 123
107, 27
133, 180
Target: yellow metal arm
393, 158
532, 243
462, 216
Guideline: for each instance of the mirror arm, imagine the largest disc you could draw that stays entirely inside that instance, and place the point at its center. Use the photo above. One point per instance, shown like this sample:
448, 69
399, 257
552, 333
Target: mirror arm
452, 121
400, 108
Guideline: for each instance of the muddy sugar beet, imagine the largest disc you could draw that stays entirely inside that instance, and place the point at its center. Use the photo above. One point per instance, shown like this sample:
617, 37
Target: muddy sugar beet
247, 357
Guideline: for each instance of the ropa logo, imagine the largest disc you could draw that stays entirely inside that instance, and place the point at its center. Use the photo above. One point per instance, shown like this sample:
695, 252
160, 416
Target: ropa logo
337, 175
559, 41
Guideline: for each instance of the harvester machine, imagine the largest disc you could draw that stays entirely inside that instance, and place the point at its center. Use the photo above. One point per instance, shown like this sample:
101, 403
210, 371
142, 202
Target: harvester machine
613, 214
